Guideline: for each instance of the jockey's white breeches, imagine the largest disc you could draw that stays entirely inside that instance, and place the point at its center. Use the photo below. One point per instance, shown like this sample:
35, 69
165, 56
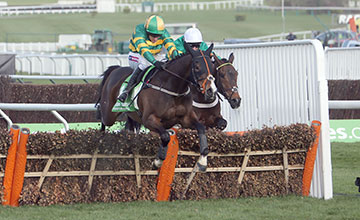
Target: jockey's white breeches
136, 60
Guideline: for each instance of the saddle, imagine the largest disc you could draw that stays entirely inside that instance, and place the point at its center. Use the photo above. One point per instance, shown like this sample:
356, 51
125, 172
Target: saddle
130, 104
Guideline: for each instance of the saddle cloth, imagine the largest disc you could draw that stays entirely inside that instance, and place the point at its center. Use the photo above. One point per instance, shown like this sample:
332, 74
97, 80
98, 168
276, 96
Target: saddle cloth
130, 104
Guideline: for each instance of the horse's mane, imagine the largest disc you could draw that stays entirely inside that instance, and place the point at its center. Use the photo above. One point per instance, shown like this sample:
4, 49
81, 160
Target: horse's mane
179, 57
105, 75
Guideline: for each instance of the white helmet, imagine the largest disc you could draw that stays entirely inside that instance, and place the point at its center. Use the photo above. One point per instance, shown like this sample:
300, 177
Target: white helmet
193, 35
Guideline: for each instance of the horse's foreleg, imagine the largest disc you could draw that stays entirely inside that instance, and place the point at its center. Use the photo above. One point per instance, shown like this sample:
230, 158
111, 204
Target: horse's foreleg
204, 150
193, 121
221, 123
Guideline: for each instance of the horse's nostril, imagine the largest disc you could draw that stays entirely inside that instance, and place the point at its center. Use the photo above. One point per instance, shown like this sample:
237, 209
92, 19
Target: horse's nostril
235, 103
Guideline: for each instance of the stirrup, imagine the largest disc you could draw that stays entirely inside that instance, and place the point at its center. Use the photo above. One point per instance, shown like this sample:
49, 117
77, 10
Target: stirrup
123, 97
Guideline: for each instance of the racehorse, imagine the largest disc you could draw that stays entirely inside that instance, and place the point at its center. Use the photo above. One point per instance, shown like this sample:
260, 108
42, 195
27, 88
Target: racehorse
226, 83
167, 101
208, 112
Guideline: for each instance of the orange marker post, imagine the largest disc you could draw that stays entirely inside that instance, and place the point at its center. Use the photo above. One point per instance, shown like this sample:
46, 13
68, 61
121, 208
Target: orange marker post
167, 170
310, 160
230, 133
20, 165
10, 164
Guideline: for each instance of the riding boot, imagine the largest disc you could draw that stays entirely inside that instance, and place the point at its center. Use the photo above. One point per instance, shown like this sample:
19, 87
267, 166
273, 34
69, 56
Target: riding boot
131, 82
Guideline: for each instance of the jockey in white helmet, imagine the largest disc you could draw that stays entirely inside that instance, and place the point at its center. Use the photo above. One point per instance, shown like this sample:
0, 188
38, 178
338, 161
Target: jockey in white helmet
193, 38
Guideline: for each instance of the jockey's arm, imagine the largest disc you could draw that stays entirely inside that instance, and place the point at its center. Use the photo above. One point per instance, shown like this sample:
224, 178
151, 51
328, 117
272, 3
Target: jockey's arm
169, 44
139, 44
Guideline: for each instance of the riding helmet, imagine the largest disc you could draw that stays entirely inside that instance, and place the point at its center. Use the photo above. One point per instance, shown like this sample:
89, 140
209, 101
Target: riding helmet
155, 25
193, 35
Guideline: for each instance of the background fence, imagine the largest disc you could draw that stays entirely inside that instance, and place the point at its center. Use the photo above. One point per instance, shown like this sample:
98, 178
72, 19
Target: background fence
75, 64
343, 63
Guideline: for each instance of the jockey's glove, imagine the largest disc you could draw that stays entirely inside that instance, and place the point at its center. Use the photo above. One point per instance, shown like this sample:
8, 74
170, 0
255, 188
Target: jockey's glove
175, 54
159, 65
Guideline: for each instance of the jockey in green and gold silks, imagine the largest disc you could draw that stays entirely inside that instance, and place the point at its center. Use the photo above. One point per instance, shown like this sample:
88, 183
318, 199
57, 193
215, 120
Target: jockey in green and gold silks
141, 43
146, 45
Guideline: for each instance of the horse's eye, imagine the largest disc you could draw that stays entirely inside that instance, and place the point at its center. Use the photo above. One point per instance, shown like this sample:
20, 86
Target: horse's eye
197, 68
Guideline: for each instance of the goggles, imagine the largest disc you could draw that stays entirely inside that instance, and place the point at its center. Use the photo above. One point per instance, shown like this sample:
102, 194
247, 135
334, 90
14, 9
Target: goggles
194, 45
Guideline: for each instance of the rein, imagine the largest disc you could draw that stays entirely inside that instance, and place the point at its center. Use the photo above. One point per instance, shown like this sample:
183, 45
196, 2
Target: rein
176, 75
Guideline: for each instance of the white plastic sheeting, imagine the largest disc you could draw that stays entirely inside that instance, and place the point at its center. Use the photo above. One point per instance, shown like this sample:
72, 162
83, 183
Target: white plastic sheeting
343, 63
65, 64
280, 84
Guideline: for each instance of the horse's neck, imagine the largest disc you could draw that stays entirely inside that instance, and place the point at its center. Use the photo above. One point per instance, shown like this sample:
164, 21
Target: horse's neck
182, 68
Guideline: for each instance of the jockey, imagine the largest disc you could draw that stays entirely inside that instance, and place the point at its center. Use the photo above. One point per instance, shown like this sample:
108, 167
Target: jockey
145, 46
193, 38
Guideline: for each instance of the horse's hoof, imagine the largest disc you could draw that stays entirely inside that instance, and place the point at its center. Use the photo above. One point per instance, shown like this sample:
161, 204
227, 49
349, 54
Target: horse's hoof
157, 163
202, 168
221, 124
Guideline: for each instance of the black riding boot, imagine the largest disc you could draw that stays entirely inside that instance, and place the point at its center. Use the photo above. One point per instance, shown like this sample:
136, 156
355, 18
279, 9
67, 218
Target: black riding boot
131, 82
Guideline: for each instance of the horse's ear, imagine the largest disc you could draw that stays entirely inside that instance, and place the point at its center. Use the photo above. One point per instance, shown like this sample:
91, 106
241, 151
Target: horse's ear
208, 51
189, 49
231, 58
217, 60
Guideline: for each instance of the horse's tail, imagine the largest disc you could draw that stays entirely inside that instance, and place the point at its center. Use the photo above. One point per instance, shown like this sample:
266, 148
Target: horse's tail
105, 75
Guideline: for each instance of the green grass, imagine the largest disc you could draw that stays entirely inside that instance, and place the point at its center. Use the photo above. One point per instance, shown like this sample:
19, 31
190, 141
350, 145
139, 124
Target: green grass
42, 2
346, 166
32, 2
345, 206
216, 25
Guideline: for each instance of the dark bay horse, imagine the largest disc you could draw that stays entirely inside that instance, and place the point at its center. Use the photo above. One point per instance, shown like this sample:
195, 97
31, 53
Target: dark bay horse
209, 112
167, 101
226, 82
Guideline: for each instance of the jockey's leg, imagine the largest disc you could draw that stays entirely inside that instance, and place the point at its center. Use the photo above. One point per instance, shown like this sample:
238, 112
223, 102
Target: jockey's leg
131, 82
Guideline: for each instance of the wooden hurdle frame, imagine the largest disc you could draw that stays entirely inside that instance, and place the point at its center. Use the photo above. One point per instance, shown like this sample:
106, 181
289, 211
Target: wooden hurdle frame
138, 172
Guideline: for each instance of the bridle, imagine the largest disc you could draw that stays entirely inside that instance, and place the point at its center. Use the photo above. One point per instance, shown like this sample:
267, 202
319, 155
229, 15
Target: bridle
219, 85
208, 77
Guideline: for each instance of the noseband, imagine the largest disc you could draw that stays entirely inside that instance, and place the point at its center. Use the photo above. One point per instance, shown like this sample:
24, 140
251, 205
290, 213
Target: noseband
221, 87
209, 76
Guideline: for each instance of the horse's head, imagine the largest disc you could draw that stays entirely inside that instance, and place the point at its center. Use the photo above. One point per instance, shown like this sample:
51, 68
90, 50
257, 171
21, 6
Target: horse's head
202, 72
226, 80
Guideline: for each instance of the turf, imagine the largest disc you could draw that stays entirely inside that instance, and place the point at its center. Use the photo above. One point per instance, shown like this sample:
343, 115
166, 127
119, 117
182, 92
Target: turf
216, 25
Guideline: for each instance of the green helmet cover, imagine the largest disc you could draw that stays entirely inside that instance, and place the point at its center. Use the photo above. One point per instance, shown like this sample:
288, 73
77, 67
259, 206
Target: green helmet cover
155, 25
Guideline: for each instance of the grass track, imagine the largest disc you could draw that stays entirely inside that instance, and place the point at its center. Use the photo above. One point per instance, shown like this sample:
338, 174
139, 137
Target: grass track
345, 169
216, 25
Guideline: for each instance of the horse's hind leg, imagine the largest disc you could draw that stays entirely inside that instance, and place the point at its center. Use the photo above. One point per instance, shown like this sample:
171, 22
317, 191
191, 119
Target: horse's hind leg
165, 139
102, 127
154, 124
